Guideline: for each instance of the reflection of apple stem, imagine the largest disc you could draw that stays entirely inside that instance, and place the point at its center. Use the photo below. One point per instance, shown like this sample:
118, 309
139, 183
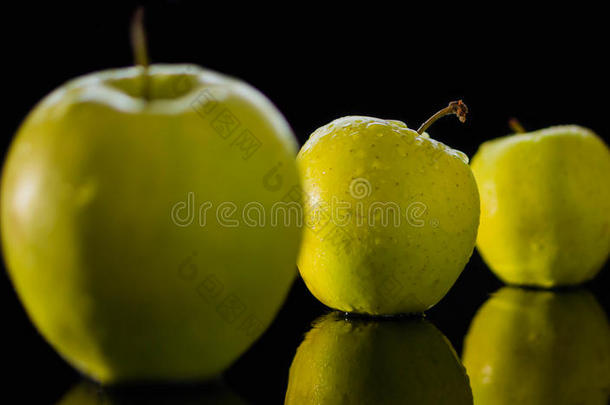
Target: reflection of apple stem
455, 107
516, 126
140, 51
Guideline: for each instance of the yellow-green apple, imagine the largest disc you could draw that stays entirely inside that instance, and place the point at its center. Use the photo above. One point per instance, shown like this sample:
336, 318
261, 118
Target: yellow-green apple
545, 206
131, 220
391, 215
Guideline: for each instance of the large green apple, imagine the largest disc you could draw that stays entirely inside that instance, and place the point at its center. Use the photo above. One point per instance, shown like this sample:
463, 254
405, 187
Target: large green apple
539, 347
136, 220
391, 216
545, 206
364, 361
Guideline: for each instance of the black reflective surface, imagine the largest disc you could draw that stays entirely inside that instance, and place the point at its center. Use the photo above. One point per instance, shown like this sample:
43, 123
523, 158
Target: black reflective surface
541, 68
261, 376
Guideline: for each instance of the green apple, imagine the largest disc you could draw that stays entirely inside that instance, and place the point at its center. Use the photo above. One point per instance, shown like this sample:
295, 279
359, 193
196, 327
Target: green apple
87, 393
364, 361
124, 221
545, 206
391, 215
539, 347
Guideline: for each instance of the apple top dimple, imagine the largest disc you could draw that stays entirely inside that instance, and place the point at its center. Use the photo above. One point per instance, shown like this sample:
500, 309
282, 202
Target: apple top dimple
542, 134
169, 88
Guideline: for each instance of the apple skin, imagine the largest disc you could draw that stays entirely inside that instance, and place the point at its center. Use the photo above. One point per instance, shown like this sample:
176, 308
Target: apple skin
365, 361
118, 286
545, 206
366, 266
539, 347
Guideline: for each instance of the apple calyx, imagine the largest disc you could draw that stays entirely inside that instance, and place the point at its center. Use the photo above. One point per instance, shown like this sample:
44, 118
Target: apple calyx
516, 126
140, 49
455, 107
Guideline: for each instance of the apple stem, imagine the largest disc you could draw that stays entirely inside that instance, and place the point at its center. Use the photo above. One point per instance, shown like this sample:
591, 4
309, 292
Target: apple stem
140, 49
455, 107
516, 126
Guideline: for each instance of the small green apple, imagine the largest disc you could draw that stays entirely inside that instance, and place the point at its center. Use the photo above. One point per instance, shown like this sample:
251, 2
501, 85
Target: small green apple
364, 361
539, 347
120, 222
545, 206
391, 215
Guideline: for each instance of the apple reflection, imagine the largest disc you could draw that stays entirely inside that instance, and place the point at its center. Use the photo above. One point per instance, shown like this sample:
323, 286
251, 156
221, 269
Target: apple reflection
87, 393
539, 347
364, 361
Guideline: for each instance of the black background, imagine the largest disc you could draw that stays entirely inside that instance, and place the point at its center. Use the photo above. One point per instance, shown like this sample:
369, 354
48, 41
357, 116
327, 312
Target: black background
546, 67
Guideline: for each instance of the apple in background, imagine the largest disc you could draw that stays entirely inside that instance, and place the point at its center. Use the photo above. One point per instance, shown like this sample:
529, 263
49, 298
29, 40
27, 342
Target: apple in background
391, 215
539, 347
122, 222
545, 206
